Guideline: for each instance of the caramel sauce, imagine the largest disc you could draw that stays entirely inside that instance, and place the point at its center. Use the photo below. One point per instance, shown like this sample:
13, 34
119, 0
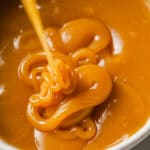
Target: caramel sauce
126, 59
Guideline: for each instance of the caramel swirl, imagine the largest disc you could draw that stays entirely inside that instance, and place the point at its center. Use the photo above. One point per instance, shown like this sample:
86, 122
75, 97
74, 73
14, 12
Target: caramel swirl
98, 88
63, 103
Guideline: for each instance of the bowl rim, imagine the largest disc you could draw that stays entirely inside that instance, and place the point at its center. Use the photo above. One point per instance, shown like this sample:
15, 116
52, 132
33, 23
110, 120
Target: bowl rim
133, 140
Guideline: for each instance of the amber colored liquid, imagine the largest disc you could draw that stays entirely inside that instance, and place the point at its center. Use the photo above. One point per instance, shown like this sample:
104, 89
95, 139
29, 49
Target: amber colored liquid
129, 20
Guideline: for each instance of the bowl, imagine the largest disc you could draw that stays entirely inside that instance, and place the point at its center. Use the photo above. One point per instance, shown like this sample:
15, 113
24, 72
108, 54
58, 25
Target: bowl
126, 144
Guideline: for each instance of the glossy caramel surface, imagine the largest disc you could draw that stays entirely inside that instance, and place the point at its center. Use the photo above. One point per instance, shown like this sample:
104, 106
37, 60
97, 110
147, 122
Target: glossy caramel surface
125, 111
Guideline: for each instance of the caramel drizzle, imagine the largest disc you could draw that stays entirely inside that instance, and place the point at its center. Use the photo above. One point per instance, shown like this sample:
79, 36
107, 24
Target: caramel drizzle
34, 16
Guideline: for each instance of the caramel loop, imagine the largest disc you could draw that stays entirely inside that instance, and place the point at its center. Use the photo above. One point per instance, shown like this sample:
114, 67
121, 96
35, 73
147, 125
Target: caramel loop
31, 66
86, 32
83, 56
86, 131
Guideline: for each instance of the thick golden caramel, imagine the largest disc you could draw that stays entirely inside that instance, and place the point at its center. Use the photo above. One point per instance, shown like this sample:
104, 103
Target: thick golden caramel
98, 88
60, 84
126, 56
